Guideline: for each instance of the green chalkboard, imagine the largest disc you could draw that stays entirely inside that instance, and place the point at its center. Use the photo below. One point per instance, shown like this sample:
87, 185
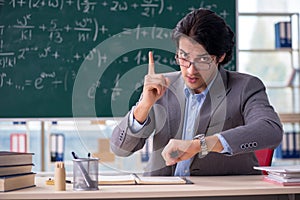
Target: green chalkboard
86, 58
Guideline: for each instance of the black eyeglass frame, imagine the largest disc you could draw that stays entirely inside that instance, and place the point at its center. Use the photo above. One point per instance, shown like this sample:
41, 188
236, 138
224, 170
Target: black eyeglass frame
195, 64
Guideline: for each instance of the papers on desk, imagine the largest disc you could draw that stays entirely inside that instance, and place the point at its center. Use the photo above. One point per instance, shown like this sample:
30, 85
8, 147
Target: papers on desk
280, 169
283, 175
132, 179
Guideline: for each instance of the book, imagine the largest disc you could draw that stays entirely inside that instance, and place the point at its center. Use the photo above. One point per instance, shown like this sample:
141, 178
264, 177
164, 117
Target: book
286, 175
15, 169
280, 169
283, 183
283, 175
282, 178
133, 179
8, 158
160, 180
128, 179
15, 182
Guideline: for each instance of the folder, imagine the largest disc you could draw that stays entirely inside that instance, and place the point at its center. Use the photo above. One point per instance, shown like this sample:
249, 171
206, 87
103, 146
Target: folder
283, 35
18, 142
297, 144
290, 146
57, 145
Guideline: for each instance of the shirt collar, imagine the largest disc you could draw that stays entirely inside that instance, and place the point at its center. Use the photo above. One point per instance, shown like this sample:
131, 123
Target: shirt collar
188, 91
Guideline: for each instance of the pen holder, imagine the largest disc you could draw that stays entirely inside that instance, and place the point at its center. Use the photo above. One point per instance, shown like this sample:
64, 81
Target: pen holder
85, 174
59, 176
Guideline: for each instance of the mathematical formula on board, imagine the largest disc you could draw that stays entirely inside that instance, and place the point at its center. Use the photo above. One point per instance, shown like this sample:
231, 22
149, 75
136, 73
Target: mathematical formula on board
49, 77
147, 8
43, 43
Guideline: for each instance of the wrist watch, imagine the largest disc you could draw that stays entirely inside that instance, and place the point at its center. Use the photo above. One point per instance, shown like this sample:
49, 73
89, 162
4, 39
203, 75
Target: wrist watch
203, 145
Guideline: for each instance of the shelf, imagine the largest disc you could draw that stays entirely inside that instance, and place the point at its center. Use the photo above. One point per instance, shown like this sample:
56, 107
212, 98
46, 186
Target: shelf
268, 14
288, 57
289, 117
285, 161
289, 50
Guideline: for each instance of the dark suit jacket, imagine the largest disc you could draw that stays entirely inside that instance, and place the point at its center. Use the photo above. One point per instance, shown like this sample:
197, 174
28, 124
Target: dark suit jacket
236, 106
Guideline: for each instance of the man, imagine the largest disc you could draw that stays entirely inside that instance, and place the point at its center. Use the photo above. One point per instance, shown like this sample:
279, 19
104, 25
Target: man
205, 120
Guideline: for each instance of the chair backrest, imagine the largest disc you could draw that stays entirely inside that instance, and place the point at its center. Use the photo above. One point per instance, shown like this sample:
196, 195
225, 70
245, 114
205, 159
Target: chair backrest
264, 157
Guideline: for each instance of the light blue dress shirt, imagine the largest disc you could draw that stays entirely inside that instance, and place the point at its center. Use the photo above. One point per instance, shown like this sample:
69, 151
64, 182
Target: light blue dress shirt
193, 105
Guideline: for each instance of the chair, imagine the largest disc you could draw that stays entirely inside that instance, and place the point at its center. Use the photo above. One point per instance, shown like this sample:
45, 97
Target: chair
264, 157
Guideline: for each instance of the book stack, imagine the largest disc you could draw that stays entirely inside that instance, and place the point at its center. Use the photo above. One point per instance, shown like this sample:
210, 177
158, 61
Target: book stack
283, 175
15, 171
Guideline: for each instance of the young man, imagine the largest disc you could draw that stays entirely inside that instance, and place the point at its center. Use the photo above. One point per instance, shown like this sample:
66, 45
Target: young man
205, 120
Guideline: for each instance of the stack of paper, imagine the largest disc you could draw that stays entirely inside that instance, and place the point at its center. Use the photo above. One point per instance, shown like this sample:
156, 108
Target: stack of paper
284, 175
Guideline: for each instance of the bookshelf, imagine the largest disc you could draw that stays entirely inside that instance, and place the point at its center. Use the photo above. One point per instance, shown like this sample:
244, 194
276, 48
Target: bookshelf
264, 45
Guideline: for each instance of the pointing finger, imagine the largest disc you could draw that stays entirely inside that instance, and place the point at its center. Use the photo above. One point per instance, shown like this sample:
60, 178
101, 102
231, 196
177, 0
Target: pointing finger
151, 64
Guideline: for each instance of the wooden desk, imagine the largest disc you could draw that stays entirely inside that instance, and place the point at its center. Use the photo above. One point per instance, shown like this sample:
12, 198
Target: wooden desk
204, 188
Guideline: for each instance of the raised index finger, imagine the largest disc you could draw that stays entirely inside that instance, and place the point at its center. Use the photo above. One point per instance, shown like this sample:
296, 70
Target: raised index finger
151, 69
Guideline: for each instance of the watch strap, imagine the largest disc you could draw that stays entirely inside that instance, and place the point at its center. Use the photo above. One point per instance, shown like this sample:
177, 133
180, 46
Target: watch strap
203, 145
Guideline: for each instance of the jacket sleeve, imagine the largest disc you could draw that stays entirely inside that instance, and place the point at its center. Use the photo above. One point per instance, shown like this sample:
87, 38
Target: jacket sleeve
124, 142
262, 127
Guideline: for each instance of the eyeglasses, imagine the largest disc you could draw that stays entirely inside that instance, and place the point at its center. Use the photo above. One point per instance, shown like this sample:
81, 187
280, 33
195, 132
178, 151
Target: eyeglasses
202, 63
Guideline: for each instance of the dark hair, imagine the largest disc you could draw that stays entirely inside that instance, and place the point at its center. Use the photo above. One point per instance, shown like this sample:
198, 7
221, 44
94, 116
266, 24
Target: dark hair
208, 29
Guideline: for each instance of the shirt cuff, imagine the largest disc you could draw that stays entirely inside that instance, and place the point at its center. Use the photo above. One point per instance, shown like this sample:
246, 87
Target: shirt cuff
134, 125
226, 147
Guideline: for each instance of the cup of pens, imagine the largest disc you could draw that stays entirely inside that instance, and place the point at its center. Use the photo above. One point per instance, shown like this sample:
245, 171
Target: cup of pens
85, 173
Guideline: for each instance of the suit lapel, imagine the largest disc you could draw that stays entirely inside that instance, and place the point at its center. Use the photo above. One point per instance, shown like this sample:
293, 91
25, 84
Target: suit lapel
214, 99
178, 88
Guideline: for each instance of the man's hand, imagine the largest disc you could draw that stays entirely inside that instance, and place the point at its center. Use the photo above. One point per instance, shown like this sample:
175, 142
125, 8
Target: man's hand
155, 86
178, 150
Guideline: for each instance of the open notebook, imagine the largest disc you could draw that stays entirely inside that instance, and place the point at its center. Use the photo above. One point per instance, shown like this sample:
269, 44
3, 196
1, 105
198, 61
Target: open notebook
146, 180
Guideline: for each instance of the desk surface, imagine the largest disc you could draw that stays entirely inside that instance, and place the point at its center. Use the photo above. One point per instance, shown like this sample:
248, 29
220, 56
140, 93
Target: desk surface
202, 187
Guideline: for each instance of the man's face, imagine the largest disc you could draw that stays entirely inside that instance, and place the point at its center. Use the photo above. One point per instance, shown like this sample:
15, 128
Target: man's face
196, 79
